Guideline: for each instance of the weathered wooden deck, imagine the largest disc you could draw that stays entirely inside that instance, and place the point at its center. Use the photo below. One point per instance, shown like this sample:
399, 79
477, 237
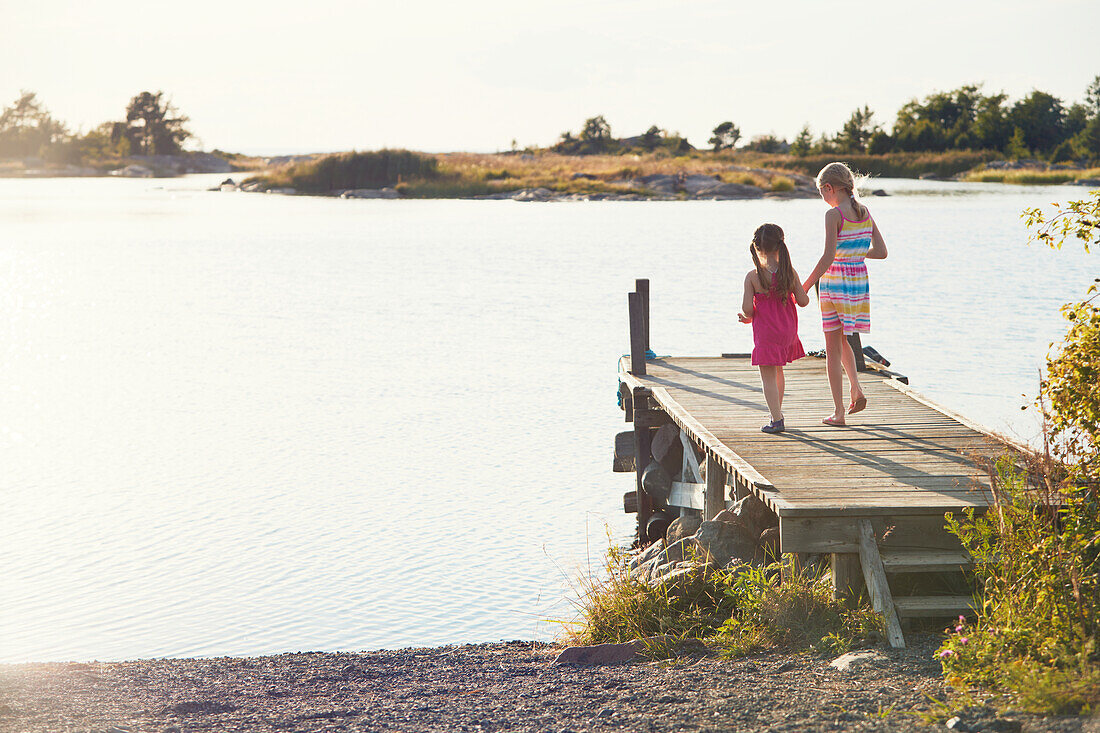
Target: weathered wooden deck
900, 456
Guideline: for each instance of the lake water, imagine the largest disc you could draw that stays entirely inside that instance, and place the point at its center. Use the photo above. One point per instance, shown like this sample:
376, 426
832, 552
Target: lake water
238, 424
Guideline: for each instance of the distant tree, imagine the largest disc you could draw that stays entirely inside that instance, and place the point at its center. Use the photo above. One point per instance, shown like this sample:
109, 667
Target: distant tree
1017, 145
725, 136
880, 143
768, 144
803, 143
154, 126
1040, 116
991, 128
595, 135
857, 131
26, 127
1092, 97
651, 138
1077, 116
1062, 153
1087, 142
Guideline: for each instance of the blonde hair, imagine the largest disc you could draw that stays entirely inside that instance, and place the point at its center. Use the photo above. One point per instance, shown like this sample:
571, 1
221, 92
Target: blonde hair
840, 176
769, 238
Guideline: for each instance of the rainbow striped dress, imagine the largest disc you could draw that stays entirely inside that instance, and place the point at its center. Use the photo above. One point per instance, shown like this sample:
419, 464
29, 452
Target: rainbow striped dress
843, 291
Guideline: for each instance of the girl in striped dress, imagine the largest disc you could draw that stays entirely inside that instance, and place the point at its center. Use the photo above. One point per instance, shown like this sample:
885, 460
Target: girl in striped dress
841, 276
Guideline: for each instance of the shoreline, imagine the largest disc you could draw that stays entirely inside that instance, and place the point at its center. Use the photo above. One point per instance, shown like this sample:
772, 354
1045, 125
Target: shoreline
500, 686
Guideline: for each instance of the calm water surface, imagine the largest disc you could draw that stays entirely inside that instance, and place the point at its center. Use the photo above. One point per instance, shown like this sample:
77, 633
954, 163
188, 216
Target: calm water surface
242, 424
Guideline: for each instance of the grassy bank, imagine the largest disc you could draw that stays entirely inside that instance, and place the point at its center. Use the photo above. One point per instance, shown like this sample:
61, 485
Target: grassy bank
1031, 176
890, 165
454, 175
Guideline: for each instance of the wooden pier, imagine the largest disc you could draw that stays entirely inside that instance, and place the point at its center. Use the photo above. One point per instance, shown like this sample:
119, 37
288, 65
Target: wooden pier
872, 494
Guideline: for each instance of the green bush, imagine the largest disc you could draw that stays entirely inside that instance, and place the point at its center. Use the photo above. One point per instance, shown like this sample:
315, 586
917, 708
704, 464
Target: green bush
782, 183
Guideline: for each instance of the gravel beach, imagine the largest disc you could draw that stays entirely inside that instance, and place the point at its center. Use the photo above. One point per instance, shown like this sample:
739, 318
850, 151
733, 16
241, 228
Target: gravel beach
512, 686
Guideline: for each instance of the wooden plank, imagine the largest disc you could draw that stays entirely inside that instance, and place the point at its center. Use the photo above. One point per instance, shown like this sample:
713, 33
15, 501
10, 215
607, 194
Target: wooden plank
934, 606
924, 561
840, 534
875, 578
637, 335
687, 494
847, 577
689, 456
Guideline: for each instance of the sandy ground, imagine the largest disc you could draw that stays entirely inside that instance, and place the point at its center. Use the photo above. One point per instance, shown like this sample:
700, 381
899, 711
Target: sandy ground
491, 687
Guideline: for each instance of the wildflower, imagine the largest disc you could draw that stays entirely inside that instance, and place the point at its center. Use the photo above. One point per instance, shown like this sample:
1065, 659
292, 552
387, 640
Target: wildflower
963, 640
946, 653
962, 619
959, 628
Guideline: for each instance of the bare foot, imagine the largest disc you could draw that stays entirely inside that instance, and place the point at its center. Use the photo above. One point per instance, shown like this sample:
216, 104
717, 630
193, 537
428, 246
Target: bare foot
858, 403
836, 421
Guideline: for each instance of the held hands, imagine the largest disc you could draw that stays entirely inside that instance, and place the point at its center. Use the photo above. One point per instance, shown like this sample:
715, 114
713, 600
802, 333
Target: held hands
743, 318
806, 286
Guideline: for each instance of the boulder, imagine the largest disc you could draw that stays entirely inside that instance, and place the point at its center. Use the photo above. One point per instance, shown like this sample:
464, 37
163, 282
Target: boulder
132, 171
719, 542
769, 542
755, 514
657, 482
647, 554
370, 193
852, 660
879, 192
288, 190
730, 191
683, 527
695, 183
676, 552
1087, 182
533, 194
598, 654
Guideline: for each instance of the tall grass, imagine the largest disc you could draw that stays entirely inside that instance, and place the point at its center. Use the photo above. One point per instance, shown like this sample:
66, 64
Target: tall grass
890, 165
1030, 176
738, 610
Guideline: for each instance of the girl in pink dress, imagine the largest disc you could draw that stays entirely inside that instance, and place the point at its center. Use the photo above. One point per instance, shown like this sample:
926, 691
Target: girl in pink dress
771, 291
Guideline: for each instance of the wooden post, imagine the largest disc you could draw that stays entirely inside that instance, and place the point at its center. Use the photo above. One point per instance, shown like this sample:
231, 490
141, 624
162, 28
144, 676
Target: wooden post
716, 488
857, 350
877, 587
847, 577
637, 337
643, 444
641, 286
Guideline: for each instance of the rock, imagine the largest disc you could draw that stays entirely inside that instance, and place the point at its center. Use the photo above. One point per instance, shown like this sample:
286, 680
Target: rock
676, 552
683, 527
624, 452
583, 177
666, 436
879, 192
251, 186
657, 482
852, 660
599, 654
933, 177
132, 171
1087, 182
533, 194
730, 191
695, 183
755, 514
719, 542
370, 193
647, 554
769, 542
287, 190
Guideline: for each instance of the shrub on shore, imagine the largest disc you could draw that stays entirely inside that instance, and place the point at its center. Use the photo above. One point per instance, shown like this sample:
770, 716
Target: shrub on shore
341, 171
1036, 635
737, 610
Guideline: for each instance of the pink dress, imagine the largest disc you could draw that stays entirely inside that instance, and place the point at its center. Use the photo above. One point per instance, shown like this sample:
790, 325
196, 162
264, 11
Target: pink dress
775, 329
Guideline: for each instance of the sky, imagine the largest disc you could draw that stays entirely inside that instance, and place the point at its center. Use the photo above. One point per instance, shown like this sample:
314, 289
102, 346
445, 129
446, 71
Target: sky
438, 75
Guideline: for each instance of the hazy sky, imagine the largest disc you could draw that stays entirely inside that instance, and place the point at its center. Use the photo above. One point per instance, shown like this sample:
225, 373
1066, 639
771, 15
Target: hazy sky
439, 75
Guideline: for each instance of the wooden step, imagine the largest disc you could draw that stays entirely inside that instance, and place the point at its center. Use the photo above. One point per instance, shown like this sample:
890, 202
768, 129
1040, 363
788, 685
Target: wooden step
924, 561
933, 606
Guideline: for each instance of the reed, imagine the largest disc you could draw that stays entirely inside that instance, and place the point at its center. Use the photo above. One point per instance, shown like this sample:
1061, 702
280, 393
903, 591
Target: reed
1031, 176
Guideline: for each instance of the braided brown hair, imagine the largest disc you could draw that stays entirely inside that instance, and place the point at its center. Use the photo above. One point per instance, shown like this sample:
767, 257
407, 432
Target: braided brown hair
768, 238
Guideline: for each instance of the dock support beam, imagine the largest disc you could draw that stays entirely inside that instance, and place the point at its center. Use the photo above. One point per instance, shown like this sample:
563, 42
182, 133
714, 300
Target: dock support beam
641, 287
637, 335
857, 350
847, 577
874, 574
643, 447
715, 498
